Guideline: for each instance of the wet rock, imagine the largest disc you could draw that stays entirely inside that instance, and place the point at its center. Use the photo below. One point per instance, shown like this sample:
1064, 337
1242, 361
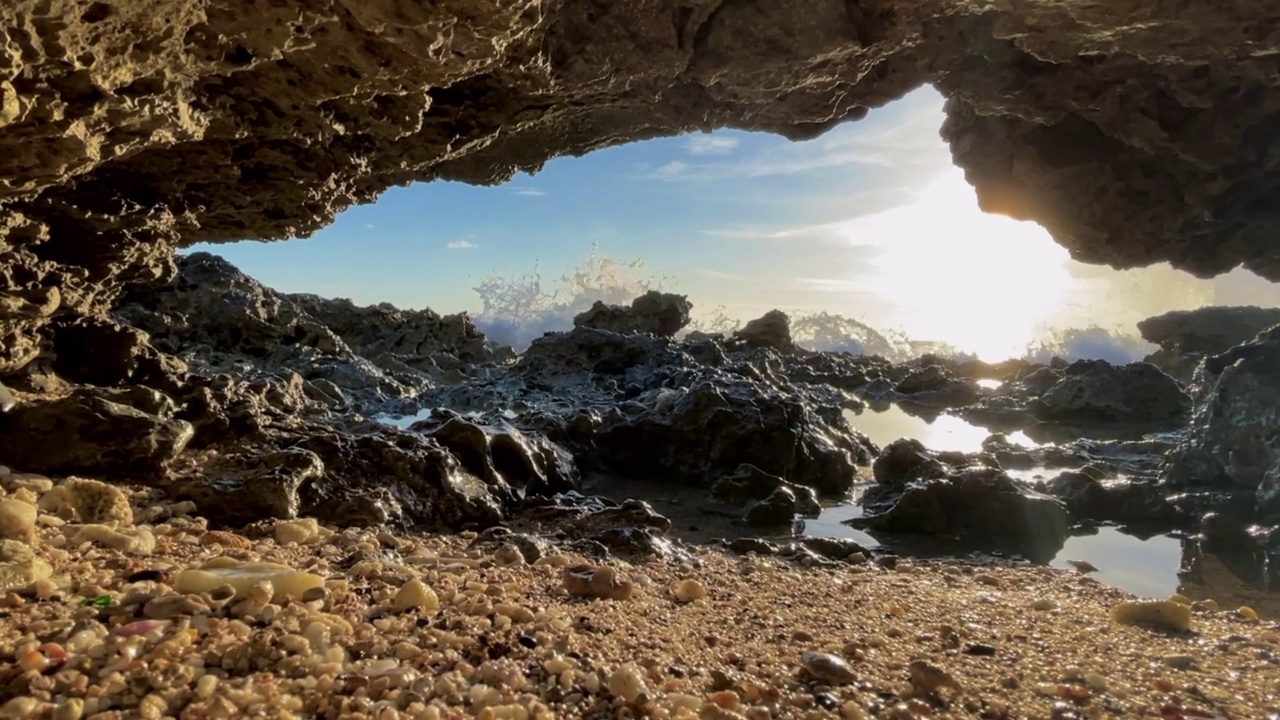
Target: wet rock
935, 386
771, 330
833, 548
265, 486
917, 493
94, 431
713, 428
99, 351
1186, 337
759, 546
219, 320
780, 508
7, 399
599, 351
655, 313
1235, 424
415, 595
503, 454
1123, 501
749, 483
1095, 391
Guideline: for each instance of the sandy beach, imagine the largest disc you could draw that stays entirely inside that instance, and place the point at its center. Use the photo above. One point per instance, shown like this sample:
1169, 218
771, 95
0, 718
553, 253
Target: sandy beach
103, 617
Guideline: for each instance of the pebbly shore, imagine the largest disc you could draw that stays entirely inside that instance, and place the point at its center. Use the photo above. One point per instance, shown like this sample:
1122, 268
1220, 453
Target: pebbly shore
115, 603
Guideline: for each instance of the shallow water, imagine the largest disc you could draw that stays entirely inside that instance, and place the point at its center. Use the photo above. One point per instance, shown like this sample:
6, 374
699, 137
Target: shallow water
1142, 566
946, 432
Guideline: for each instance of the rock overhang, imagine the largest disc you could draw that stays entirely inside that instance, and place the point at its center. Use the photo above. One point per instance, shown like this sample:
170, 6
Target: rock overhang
1136, 134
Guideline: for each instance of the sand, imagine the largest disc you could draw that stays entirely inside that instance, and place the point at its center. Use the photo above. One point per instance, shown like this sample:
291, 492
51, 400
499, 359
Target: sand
425, 626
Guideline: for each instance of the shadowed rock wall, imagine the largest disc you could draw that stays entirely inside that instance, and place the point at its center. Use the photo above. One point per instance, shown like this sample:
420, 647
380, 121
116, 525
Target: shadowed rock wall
1136, 132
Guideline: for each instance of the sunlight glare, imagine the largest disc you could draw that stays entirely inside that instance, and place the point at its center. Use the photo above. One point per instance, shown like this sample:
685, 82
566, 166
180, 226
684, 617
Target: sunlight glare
984, 283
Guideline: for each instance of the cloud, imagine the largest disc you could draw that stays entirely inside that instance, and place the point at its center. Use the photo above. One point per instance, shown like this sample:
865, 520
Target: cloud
528, 192
673, 169
369, 226
899, 136
710, 145
461, 245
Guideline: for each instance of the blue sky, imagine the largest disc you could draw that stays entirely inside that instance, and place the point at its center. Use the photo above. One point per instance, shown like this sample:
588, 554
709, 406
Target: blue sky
870, 220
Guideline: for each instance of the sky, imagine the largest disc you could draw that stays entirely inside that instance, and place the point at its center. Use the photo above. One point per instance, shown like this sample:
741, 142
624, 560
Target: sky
870, 220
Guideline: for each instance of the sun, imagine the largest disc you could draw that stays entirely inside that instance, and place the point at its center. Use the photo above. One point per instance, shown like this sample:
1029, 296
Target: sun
983, 283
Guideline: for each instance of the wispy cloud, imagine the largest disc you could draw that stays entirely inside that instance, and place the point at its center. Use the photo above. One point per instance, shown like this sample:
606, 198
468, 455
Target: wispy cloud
911, 139
673, 169
528, 192
710, 145
369, 226
462, 245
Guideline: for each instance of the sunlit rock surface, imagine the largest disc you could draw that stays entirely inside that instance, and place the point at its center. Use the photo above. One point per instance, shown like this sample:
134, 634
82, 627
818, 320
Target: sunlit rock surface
1136, 132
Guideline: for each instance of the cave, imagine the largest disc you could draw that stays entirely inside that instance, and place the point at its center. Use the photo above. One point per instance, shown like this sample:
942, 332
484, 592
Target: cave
134, 131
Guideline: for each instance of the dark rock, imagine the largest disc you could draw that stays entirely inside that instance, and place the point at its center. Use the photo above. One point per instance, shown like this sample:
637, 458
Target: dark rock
503, 454
98, 351
123, 433
833, 548
906, 460
771, 330
1235, 423
599, 351
916, 493
1186, 337
376, 475
778, 509
1095, 391
934, 385
1123, 501
655, 313
218, 319
759, 546
246, 489
749, 483
713, 428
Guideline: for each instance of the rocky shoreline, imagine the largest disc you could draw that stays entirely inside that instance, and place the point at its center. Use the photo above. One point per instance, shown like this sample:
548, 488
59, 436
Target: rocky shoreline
235, 413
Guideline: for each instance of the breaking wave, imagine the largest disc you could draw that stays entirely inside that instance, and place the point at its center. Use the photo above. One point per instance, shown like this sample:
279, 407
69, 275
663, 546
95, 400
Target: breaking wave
517, 310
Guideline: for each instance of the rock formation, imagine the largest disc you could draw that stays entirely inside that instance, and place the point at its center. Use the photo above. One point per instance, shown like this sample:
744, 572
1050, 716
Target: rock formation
1135, 132
1186, 337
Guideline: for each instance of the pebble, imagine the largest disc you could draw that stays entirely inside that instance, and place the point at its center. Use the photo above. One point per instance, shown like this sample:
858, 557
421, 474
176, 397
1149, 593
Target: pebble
596, 581
1165, 614
1247, 613
828, 668
168, 607
688, 590
17, 520
1044, 604
627, 683
930, 678
415, 595
1181, 662
300, 531
243, 576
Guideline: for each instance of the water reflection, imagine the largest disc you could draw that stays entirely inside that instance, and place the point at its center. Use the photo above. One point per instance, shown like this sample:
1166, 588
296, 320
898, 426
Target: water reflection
944, 432
1144, 567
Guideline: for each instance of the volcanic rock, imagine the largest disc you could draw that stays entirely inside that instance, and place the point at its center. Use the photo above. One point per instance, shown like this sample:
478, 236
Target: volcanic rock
1186, 337
1121, 501
656, 313
1235, 425
771, 330
1134, 133
1095, 391
918, 493
130, 433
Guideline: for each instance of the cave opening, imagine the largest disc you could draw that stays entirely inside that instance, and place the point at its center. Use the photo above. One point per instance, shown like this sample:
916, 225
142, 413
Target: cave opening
867, 235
